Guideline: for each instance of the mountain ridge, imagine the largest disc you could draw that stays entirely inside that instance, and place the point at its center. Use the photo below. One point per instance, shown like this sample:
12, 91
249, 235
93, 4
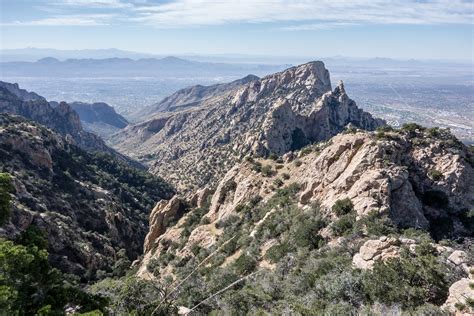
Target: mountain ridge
274, 114
89, 204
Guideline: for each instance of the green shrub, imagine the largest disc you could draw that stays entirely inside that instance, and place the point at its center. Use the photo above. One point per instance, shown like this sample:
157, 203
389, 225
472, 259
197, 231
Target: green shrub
344, 225
410, 280
6, 187
277, 182
375, 224
267, 171
305, 232
30, 286
244, 264
342, 207
257, 166
273, 156
412, 127
436, 175
276, 252
385, 128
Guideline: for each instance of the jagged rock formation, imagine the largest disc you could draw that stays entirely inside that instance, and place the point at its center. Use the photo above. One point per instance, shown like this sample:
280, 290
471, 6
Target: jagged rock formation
61, 118
417, 178
278, 113
22, 94
99, 118
90, 205
280, 219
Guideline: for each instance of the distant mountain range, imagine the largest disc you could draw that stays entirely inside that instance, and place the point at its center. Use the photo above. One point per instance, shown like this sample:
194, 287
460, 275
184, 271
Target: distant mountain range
34, 54
125, 67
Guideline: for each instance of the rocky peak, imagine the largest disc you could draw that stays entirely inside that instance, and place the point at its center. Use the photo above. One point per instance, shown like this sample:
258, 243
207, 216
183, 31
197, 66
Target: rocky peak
275, 114
62, 118
22, 94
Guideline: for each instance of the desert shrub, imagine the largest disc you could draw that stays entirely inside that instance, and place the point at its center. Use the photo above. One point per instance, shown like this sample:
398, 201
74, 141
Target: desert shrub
350, 130
285, 176
277, 182
267, 171
436, 175
244, 264
298, 162
375, 224
276, 252
6, 188
412, 127
385, 128
305, 232
230, 247
273, 156
410, 280
343, 225
342, 207
381, 132
133, 296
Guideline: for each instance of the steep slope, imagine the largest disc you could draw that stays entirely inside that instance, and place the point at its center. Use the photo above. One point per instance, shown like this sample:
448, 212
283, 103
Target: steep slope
61, 118
22, 94
275, 114
194, 95
99, 118
91, 206
307, 233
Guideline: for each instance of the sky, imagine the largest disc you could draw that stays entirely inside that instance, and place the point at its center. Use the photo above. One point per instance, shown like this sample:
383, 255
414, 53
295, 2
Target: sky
403, 29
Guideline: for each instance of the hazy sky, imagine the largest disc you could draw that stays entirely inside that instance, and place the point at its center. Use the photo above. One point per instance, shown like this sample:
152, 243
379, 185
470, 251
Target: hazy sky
441, 29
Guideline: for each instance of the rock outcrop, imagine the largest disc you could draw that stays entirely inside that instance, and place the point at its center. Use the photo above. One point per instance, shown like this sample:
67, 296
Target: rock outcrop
160, 217
275, 114
62, 118
459, 293
22, 94
374, 250
391, 174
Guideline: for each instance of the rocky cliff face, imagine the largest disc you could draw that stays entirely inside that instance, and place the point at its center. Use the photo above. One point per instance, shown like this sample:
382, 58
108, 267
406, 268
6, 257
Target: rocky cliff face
416, 180
61, 118
275, 114
337, 194
99, 118
21, 93
91, 206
